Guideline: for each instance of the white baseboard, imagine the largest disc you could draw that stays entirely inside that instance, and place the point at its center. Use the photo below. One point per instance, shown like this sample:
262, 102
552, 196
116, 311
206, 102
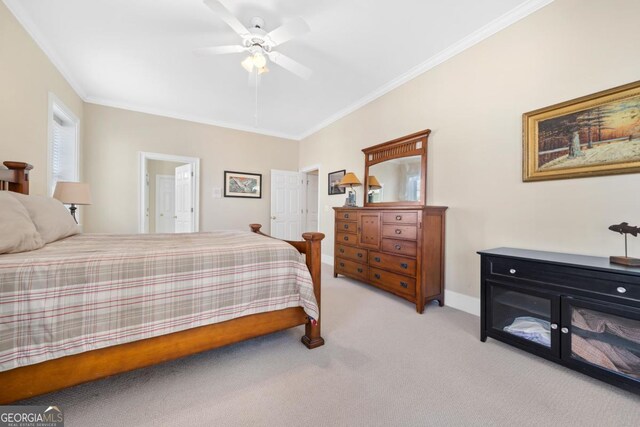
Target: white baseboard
327, 259
462, 302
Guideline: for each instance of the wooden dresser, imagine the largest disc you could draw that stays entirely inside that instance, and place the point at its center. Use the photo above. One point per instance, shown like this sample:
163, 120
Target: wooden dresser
398, 249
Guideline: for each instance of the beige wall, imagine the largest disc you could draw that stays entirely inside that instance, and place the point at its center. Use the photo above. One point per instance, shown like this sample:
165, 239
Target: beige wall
26, 78
473, 103
114, 137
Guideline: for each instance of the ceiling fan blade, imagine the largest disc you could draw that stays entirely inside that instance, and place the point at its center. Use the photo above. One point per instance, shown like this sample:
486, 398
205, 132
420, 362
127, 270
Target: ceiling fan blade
221, 10
286, 32
290, 65
219, 50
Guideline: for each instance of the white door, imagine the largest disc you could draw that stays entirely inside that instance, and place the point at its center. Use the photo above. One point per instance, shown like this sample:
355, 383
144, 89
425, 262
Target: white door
286, 204
165, 203
312, 203
184, 218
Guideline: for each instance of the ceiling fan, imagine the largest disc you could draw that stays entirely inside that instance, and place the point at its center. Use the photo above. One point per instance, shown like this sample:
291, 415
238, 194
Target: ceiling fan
258, 43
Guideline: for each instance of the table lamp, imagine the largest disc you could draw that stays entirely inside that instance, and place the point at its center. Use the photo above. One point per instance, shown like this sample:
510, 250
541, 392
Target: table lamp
349, 180
72, 193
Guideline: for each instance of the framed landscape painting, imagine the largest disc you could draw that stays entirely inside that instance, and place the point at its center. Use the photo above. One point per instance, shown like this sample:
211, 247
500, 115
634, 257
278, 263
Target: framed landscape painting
594, 135
241, 184
334, 180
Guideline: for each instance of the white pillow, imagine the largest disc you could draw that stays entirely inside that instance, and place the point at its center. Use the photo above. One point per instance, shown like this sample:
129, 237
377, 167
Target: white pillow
52, 220
17, 231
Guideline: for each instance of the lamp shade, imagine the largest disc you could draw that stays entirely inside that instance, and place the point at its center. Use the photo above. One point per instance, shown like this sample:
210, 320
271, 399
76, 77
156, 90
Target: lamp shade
72, 193
374, 184
350, 179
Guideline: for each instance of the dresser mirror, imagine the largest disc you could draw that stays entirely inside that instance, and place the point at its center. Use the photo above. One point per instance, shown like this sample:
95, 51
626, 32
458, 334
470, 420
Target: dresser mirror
395, 171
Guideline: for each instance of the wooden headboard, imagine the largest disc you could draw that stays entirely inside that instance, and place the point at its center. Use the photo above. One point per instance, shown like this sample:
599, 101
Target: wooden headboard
15, 177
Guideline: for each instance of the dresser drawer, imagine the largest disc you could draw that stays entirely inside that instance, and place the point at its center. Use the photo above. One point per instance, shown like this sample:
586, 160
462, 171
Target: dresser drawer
409, 232
351, 268
394, 282
400, 217
395, 263
582, 280
346, 238
347, 216
400, 247
350, 252
346, 226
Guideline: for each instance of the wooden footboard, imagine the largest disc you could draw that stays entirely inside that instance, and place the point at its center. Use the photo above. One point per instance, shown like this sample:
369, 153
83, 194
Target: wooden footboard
33, 380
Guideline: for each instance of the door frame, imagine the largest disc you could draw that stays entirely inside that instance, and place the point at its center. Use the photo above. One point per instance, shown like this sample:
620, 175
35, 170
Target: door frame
143, 156
306, 170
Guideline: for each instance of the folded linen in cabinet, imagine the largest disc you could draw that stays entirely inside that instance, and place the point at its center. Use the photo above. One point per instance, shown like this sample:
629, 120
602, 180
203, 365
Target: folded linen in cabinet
613, 358
593, 321
532, 329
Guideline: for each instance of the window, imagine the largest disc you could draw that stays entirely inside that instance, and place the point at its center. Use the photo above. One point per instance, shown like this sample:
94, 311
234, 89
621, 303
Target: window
63, 144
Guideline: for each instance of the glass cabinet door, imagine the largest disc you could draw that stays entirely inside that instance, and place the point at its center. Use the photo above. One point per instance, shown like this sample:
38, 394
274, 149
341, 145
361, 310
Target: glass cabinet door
604, 336
525, 316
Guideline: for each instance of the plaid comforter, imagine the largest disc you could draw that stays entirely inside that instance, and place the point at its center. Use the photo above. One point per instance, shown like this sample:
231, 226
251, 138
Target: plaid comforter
93, 291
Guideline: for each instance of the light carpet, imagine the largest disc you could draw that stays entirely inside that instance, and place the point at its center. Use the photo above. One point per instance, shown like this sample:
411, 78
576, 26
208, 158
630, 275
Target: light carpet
382, 365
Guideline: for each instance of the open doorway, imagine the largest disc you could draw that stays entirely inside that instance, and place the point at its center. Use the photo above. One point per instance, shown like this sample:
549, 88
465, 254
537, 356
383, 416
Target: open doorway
169, 192
311, 198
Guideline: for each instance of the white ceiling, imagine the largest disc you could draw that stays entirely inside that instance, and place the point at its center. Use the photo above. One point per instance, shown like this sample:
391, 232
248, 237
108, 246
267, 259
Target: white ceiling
138, 54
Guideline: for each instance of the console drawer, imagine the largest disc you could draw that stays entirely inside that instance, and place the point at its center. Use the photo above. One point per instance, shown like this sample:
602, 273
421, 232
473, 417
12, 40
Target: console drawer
587, 281
355, 254
394, 282
400, 247
395, 263
400, 217
351, 268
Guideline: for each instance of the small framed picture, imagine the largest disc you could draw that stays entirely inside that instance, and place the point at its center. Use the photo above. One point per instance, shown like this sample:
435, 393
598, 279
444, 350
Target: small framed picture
242, 184
334, 180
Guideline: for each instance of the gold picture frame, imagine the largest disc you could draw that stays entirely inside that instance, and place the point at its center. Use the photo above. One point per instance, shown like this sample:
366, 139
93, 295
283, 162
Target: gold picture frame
594, 135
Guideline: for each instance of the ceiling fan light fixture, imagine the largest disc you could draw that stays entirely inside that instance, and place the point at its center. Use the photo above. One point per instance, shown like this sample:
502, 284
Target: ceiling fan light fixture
259, 61
247, 64
263, 70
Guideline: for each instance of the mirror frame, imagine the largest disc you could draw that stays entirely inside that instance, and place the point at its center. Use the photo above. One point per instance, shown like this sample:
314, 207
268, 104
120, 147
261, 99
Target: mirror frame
405, 146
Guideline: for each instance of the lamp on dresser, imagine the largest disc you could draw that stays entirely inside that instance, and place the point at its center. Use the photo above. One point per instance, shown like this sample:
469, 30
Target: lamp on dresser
350, 180
73, 193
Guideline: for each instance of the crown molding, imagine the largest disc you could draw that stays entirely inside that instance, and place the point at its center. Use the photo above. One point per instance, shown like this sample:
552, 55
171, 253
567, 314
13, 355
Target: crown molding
474, 38
187, 117
498, 24
15, 7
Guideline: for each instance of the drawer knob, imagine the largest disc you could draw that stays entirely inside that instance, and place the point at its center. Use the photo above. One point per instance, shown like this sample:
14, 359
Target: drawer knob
404, 285
342, 264
564, 330
554, 326
377, 276
359, 254
512, 271
346, 216
398, 217
404, 265
398, 247
376, 259
398, 231
341, 250
346, 238
346, 226
359, 270
621, 290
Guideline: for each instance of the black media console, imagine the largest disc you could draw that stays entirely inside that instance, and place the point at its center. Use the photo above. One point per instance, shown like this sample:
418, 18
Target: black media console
579, 311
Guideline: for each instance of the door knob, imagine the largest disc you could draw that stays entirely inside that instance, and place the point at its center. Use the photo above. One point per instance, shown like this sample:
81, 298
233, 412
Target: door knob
175, 217
161, 214
565, 330
554, 326
273, 217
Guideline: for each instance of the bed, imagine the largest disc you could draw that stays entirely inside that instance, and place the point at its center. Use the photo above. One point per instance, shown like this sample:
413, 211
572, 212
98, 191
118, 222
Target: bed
99, 305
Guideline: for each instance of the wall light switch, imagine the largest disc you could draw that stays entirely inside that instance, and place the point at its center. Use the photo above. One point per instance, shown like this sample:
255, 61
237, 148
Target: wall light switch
217, 193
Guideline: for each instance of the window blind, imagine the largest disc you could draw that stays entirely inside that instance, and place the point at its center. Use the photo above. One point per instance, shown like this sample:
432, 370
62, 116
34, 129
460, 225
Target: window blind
64, 151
